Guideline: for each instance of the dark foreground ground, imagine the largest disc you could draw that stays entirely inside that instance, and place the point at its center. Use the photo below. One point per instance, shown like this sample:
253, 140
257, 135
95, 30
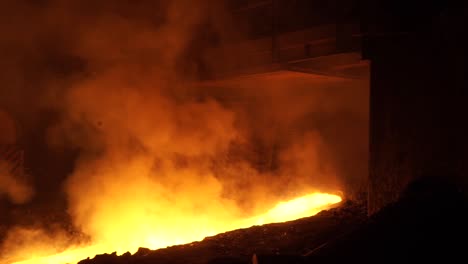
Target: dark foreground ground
427, 224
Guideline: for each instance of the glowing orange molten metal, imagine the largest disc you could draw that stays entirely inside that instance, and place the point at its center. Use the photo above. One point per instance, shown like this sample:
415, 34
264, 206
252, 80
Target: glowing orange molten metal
300, 207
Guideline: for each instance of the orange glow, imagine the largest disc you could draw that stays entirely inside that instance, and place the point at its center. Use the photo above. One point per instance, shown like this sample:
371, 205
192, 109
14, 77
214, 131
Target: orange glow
300, 207
150, 235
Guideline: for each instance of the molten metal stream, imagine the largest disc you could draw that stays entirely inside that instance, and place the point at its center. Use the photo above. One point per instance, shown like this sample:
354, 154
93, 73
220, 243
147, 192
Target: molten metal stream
300, 207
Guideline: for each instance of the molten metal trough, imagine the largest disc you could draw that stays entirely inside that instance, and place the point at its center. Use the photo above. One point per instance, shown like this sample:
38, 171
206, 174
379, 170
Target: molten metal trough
300, 207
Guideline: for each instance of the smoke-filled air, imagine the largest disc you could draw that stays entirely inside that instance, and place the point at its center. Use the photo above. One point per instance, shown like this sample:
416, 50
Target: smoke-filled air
136, 150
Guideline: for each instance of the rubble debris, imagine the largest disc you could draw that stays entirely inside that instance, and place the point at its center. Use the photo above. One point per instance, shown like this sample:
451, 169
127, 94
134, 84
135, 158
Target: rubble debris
426, 223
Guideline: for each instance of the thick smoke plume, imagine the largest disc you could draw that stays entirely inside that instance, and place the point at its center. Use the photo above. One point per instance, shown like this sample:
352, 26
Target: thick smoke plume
158, 154
17, 190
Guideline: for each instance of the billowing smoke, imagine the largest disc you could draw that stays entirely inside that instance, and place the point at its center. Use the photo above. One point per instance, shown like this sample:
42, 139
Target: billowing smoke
17, 189
156, 154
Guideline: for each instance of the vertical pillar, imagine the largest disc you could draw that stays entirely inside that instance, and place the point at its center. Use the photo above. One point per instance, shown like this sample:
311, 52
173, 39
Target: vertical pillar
418, 99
